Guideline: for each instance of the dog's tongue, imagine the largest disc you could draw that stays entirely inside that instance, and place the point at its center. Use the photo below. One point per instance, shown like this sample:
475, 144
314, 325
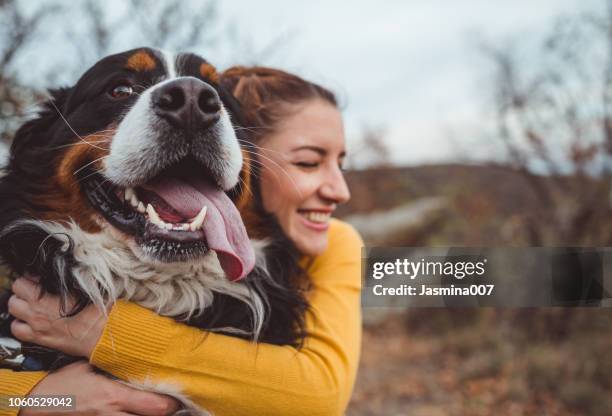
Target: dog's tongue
223, 228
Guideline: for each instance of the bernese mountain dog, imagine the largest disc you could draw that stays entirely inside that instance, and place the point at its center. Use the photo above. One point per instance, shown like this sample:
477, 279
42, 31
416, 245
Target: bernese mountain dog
130, 185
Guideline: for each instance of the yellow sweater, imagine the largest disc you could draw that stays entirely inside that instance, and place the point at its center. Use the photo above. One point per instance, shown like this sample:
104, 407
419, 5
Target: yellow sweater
231, 376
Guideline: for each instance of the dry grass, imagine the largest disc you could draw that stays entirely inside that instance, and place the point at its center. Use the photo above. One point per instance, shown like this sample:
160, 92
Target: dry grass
487, 362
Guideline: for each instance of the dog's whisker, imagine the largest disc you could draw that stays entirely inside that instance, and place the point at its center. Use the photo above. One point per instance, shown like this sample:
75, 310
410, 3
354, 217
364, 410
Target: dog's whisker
70, 127
283, 170
259, 164
252, 128
245, 188
77, 144
103, 182
96, 171
89, 164
253, 145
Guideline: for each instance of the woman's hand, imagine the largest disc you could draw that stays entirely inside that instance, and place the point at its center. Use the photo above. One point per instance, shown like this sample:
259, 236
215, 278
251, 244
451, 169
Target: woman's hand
39, 321
95, 394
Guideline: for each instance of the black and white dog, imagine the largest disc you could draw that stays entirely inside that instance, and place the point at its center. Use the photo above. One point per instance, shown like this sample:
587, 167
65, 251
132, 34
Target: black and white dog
128, 185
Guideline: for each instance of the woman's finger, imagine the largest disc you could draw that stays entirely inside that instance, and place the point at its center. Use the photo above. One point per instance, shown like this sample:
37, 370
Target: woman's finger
145, 403
22, 331
19, 308
26, 289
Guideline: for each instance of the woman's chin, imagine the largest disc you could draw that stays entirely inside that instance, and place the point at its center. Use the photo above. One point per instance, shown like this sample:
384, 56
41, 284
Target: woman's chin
310, 238
311, 245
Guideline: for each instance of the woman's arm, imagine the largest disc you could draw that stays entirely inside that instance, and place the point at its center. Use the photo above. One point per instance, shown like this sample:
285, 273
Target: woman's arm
91, 393
16, 384
228, 375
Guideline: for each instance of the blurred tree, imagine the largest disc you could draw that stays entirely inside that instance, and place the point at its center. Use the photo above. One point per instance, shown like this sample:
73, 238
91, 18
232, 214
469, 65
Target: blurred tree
553, 115
17, 31
370, 150
174, 25
60, 39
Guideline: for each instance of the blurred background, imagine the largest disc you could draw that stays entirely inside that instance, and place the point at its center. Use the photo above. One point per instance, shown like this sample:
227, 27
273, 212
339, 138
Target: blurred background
472, 123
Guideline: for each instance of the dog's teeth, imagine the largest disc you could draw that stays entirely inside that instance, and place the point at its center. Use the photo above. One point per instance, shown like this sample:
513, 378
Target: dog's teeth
185, 227
129, 193
141, 208
197, 222
153, 217
134, 201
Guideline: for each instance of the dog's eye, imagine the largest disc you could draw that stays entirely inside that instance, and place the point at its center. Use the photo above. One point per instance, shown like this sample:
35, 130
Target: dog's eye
121, 91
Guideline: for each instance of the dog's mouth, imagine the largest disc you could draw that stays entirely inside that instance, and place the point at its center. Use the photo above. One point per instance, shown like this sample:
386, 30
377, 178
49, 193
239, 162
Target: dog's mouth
177, 216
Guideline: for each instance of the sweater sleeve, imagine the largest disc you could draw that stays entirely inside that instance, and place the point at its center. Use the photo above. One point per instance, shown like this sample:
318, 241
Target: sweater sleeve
231, 376
16, 384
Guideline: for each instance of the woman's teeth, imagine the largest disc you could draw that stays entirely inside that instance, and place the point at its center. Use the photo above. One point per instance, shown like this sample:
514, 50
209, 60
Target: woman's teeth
315, 216
154, 218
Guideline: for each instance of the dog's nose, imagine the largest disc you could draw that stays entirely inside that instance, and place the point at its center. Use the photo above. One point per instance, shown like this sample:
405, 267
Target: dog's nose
187, 103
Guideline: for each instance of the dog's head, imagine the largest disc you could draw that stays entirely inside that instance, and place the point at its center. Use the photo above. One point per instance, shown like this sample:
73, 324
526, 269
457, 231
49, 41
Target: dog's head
142, 146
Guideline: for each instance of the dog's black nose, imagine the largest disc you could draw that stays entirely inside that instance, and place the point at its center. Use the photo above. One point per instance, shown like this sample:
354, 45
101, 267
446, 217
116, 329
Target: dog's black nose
187, 103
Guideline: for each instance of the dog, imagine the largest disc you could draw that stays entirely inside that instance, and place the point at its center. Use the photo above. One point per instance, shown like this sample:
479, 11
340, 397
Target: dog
131, 184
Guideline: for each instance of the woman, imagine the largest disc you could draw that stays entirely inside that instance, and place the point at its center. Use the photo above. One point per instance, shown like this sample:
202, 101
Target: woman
299, 129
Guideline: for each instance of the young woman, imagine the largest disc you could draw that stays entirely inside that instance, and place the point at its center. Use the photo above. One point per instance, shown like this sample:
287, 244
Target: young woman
299, 130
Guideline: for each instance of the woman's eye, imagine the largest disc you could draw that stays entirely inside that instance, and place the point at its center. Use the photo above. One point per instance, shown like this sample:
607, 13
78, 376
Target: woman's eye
307, 164
121, 91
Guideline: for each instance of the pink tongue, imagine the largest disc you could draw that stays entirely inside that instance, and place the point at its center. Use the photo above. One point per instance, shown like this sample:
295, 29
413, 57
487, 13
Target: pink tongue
223, 227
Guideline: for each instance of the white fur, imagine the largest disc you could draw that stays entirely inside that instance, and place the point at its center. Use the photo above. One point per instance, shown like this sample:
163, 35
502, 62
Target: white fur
170, 63
233, 160
133, 143
107, 269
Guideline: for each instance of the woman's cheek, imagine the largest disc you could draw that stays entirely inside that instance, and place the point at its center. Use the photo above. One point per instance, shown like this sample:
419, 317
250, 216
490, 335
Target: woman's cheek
271, 191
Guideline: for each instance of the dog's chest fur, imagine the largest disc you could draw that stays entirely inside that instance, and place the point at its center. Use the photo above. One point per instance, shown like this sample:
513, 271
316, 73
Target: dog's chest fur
106, 269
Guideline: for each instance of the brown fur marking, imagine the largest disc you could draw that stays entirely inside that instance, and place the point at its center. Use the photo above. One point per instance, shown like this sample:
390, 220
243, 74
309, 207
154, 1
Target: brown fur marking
141, 61
65, 200
209, 72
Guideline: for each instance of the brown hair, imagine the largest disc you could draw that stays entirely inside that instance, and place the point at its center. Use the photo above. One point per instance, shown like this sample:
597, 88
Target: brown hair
266, 97
267, 94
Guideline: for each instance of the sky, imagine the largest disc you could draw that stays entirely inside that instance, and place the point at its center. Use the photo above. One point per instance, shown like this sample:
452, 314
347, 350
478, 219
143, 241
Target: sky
409, 68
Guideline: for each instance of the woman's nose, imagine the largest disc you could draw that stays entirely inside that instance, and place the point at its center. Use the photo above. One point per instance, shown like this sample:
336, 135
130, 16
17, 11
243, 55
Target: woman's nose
335, 187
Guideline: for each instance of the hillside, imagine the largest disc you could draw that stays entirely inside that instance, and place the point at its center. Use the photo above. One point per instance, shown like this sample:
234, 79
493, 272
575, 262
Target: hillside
485, 204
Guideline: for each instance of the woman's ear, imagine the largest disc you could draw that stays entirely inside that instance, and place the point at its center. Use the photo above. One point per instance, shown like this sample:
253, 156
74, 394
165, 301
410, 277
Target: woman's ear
35, 133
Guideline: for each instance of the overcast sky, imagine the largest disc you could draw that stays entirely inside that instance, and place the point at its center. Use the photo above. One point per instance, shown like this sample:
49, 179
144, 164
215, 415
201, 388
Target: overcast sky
410, 66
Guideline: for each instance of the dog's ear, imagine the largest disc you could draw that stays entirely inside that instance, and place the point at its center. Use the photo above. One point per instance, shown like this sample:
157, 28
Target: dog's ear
232, 105
36, 132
